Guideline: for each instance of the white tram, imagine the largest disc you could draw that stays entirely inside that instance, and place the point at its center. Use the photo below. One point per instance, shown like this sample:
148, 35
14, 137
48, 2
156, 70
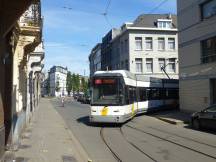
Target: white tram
119, 95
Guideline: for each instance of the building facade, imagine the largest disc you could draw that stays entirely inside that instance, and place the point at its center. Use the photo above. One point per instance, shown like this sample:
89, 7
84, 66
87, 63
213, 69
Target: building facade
148, 46
58, 79
106, 49
20, 34
95, 59
197, 53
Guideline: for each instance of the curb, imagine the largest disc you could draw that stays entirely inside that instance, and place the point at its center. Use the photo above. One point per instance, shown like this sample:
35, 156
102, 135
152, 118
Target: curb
171, 121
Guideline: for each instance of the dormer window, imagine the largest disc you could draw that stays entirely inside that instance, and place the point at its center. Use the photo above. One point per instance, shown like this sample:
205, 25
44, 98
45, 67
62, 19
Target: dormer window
164, 23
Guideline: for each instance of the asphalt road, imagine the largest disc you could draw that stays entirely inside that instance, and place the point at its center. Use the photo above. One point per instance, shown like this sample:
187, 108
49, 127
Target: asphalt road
143, 139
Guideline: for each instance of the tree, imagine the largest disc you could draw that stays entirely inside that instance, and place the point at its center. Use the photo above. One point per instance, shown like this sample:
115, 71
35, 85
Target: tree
84, 85
75, 83
69, 83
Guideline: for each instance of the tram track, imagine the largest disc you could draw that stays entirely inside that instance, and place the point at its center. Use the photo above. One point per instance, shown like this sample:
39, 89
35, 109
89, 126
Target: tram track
172, 142
186, 138
136, 147
108, 146
115, 155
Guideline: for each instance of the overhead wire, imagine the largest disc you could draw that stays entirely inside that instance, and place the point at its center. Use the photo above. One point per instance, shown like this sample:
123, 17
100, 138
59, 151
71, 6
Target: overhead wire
157, 7
84, 11
104, 14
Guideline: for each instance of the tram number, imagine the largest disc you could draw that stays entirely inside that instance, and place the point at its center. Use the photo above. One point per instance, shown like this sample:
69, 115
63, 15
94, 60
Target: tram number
104, 111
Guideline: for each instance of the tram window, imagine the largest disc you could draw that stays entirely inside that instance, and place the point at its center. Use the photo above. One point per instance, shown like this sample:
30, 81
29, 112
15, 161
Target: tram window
155, 94
172, 94
127, 95
142, 94
132, 94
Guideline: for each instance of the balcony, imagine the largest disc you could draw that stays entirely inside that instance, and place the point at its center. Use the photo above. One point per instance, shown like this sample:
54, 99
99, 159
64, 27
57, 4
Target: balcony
30, 22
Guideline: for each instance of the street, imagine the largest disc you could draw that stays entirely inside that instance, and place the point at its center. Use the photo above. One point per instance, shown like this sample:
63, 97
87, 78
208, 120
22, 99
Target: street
144, 138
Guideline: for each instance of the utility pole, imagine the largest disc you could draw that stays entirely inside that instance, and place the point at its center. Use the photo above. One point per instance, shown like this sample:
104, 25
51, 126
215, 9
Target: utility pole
163, 68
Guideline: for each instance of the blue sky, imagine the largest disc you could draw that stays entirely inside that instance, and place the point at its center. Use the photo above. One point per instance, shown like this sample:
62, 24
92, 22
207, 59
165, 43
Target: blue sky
69, 35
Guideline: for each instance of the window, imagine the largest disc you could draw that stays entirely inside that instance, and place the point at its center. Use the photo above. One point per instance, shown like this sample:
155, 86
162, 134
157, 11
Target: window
149, 44
171, 43
126, 65
161, 44
161, 62
208, 50
149, 65
122, 64
208, 9
211, 109
126, 46
172, 93
132, 94
164, 24
172, 65
107, 91
122, 47
138, 65
142, 94
138, 42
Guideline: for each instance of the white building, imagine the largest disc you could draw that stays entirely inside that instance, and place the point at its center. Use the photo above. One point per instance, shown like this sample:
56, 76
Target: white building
146, 45
58, 79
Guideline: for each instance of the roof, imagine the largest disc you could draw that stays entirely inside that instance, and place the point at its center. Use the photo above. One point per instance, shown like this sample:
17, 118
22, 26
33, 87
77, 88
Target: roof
150, 20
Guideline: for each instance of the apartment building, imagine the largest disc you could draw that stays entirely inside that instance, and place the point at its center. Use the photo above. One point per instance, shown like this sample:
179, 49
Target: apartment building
197, 53
106, 50
95, 59
148, 46
20, 34
58, 79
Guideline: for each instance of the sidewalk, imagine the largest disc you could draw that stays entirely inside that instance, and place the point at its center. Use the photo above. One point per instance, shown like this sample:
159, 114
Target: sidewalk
173, 116
47, 139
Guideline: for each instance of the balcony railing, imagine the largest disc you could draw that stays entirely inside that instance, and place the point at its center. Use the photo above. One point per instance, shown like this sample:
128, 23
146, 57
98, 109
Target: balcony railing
32, 16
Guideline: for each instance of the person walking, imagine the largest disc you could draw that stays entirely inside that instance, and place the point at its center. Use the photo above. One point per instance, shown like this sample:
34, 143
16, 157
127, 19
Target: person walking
62, 100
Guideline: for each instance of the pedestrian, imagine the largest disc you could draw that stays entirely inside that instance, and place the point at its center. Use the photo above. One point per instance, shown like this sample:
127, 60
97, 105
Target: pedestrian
62, 100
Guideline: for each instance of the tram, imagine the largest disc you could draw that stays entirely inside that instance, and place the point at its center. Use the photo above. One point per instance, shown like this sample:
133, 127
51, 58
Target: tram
119, 95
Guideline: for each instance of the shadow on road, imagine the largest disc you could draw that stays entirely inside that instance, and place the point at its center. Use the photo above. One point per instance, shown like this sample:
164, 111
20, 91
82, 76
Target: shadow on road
85, 120
205, 130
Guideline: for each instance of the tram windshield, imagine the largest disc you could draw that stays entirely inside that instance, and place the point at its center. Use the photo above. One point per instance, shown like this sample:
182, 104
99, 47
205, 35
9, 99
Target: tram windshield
107, 91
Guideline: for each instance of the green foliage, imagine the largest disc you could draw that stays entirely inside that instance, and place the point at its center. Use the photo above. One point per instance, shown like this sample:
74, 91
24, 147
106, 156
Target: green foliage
75, 83
84, 85
69, 82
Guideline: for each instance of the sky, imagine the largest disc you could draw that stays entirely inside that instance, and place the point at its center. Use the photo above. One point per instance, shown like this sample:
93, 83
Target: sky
73, 27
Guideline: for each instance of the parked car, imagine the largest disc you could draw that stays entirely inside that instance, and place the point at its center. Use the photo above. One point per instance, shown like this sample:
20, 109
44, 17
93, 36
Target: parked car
80, 98
87, 99
205, 118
